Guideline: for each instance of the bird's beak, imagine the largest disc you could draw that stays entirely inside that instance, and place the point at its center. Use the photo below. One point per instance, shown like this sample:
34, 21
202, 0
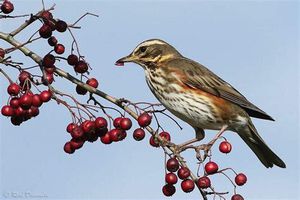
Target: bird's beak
121, 61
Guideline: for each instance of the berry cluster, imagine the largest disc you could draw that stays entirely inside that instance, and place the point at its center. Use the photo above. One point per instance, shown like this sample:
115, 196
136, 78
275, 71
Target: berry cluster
183, 173
80, 66
86, 131
204, 182
50, 25
91, 130
212, 168
23, 104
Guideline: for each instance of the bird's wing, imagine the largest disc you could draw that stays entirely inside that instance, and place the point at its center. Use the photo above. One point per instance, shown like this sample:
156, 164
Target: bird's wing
197, 76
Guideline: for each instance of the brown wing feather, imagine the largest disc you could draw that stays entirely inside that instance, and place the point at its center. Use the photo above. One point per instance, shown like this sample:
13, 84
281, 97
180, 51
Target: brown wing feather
199, 77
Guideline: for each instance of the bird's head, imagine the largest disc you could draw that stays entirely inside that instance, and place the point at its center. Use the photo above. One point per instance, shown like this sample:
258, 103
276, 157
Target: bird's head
149, 53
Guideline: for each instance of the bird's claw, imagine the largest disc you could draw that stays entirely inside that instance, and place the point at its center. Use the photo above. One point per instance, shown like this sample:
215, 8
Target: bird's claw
207, 151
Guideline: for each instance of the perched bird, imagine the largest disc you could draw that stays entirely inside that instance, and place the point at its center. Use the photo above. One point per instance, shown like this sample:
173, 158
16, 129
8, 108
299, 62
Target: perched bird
199, 97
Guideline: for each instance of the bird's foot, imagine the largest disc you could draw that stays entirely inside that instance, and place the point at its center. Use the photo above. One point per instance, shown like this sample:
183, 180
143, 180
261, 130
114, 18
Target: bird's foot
207, 149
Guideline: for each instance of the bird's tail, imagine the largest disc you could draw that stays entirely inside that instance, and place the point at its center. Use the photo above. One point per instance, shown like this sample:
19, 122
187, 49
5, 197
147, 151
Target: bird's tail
259, 147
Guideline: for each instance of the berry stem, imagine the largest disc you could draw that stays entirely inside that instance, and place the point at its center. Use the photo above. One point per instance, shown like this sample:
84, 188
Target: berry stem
6, 76
80, 18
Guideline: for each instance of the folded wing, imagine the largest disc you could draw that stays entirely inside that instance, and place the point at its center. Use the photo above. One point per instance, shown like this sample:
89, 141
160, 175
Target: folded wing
205, 80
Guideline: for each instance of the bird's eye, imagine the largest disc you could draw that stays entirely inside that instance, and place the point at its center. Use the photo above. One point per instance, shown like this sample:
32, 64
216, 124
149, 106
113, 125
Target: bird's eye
143, 49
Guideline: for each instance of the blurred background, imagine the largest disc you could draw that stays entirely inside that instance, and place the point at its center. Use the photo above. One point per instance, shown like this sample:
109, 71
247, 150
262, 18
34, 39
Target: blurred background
254, 45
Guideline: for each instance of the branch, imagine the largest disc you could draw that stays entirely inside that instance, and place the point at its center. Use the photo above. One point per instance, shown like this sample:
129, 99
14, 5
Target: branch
118, 102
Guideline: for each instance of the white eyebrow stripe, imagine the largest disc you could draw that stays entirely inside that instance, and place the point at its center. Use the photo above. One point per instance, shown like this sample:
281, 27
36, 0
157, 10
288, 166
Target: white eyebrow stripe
149, 43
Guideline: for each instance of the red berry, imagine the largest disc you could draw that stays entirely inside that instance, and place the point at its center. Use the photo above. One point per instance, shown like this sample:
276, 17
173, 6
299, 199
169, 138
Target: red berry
70, 127
16, 120
240, 179
91, 136
88, 126
153, 142
14, 102
13, 89
45, 31
171, 178
168, 190
33, 111
76, 132
237, 197
59, 48
7, 7
47, 15
45, 96
187, 185
203, 182
25, 101
165, 135
106, 139
92, 82
123, 135
76, 143
23, 76
211, 167
61, 26
36, 100
183, 173
144, 119
225, 147
101, 131
138, 134
172, 165
80, 90
115, 135
125, 124
48, 61
81, 67
51, 23
26, 115
52, 41
68, 148
19, 112
100, 122
49, 79
72, 59
2, 53
117, 122
7, 111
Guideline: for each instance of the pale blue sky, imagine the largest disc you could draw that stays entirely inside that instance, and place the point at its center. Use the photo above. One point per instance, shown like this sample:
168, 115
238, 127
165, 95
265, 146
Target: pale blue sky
254, 45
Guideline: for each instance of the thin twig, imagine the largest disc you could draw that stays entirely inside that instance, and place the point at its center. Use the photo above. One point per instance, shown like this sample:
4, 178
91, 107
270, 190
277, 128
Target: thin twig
80, 18
6, 76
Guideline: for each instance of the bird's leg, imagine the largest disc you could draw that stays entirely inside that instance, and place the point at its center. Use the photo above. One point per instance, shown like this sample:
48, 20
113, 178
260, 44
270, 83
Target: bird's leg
208, 146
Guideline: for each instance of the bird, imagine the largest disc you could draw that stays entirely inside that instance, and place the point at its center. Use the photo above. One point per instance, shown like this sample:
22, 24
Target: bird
199, 97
